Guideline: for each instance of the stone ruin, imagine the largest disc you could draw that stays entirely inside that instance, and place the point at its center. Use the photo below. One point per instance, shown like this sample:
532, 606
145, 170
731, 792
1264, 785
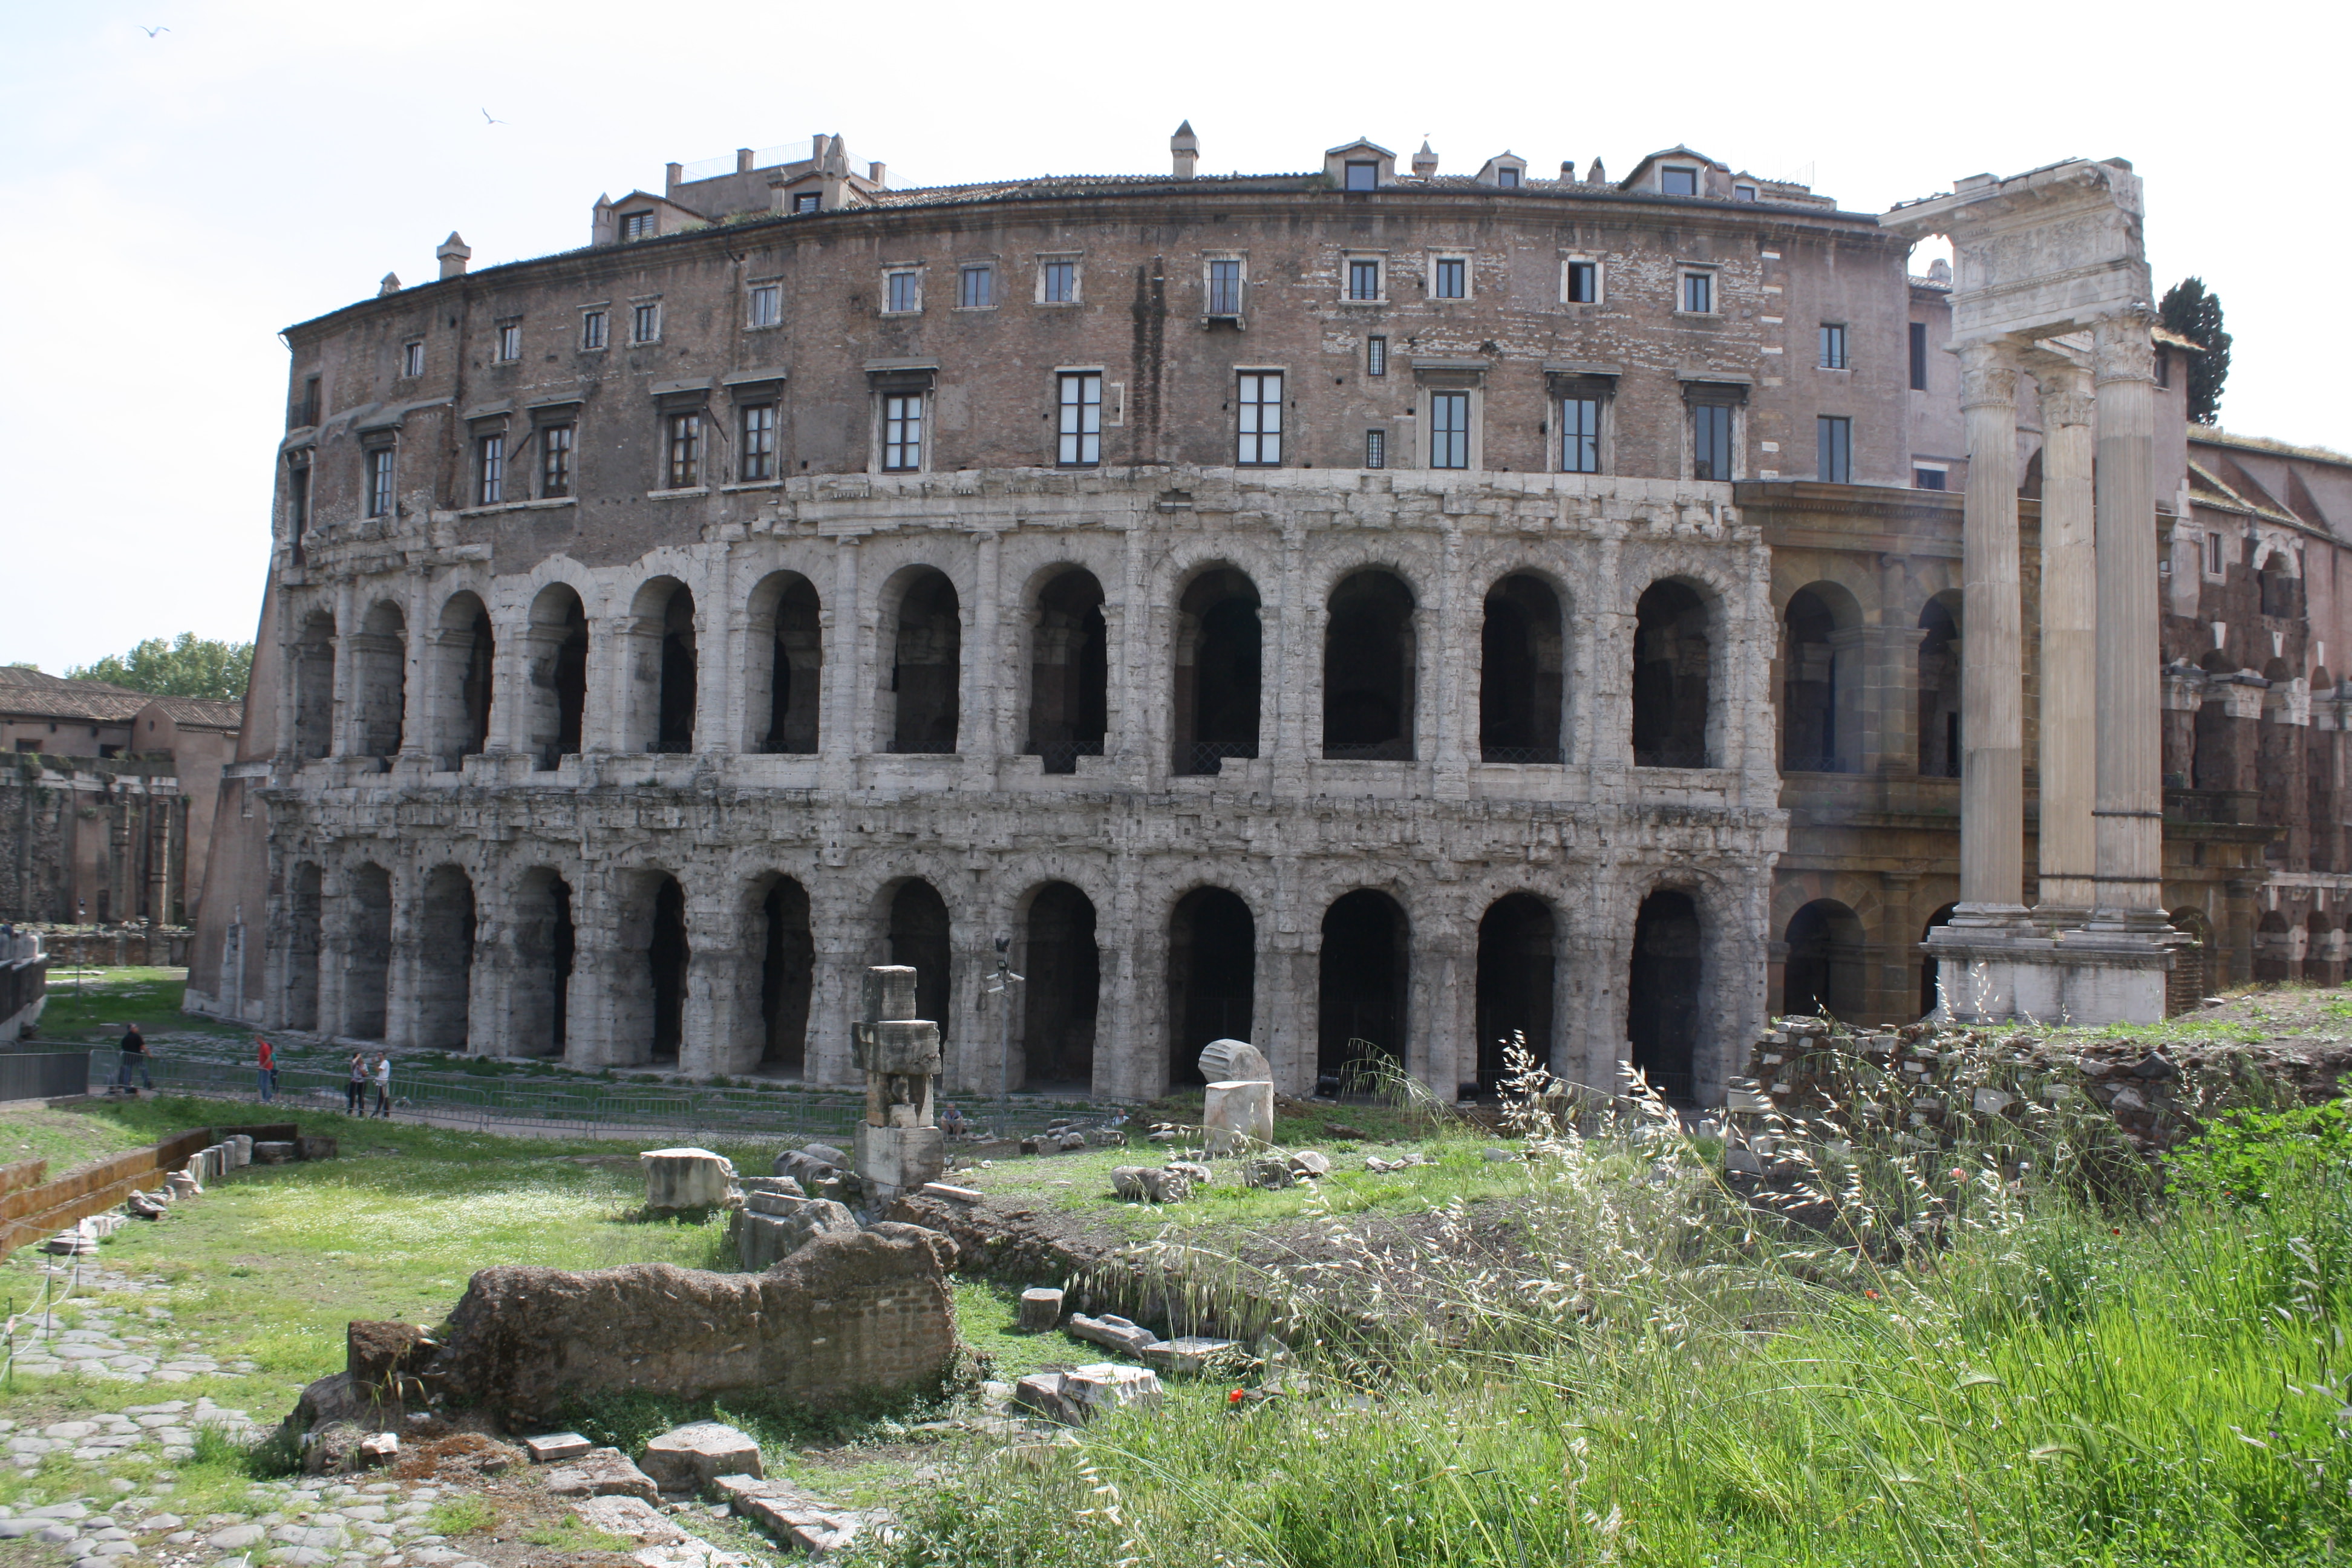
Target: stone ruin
900, 1145
1237, 1109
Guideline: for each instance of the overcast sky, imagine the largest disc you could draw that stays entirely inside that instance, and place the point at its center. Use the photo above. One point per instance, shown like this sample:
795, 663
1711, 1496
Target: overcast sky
174, 200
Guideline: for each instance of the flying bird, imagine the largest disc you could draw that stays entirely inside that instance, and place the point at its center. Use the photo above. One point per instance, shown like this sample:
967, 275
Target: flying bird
492, 118
150, 32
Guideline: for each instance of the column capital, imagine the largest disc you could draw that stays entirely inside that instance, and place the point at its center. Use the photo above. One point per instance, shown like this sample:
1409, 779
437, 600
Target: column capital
2067, 397
1988, 373
2122, 348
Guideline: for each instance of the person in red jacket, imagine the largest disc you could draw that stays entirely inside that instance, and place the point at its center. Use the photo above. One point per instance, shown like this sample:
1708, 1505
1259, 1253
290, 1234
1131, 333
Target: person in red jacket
265, 1060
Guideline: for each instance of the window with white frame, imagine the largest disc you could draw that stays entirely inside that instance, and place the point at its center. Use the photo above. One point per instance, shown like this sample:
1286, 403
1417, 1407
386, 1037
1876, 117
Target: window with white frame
1833, 345
636, 226
412, 358
756, 449
1697, 292
1363, 176
1580, 433
1678, 180
1224, 286
379, 481
903, 292
491, 470
2215, 566
902, 432
1057, 282
1931, 476
645, 323
1580, 282
1449, 429
1259, 397
1363, 277
1449, 277
1376, 356
1078, 443
975, 287
593, 326
509, 342
683, 468
555, 459
1507, 177
1743, 193
767, 305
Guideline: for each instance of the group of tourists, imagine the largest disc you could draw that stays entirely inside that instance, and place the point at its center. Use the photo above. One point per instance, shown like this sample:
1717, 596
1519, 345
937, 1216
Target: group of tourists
366, 1071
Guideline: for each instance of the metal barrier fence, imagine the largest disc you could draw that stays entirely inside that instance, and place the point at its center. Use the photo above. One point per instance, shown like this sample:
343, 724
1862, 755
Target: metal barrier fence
42, 1075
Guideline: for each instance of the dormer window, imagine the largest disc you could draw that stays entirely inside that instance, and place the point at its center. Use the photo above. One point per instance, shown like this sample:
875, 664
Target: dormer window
808, 202
1506, 178
636, 226
1743, 193
1363, 176
1678, 180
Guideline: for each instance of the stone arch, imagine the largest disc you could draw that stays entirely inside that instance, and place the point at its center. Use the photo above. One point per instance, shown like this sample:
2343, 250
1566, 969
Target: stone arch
1822, 681
1212, 975
663, 669
445, 958
783, 667
1939, 686
1664, 990
2199, 970
380, 680
923, 701
367, 949
1069, 671
1061, 998
1219, 656
305, 911
1522, 674
1930, 991
2275, 944
920, 931
1518, 959
779, 906
1370, 667
1673, 658
1823, 973
463, 653
545, 941
1363, 965
555, 641
312, 655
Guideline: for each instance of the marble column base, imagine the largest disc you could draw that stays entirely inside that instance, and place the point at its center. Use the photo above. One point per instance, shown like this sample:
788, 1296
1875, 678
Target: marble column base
2076, 978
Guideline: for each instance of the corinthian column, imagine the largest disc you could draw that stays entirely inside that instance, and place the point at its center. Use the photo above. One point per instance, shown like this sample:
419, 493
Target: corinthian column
2069, 659
1992, 724
2130, 795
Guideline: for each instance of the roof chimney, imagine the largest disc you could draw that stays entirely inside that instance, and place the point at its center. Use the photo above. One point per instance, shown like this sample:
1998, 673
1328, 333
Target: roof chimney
1424, 163
1568, 171
1940, 271
390, 285
1596, 175
453, 256
1186, 147
879, 173
743, 160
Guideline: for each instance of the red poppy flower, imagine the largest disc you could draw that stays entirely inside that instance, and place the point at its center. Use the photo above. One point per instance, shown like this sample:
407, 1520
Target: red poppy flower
1870, 1295
1237, 1395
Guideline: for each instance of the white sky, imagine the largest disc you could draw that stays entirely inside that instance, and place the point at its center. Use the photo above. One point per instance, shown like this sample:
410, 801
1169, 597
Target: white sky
171, 202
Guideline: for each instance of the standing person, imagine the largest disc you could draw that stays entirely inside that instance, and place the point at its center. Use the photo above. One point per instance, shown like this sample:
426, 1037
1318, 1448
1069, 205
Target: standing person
384, 1084
355, 1090
265, 1062
134, 1052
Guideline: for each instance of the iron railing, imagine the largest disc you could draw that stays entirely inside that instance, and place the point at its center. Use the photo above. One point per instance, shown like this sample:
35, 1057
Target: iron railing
42, 1075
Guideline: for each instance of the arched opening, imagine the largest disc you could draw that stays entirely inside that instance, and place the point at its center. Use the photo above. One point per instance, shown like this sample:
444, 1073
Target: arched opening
2322, 961
445, 959
367, 951
784, 681
1521, 683
2282, 590
1517, 956
921, 937
2274, 949
2197, 969
1070, 673
1218, 650
2213, 760
667, 957
380, 680
1939, 689
926, 665
313, 659
1819, 720
1360, 996
1211, 976
787, 973
303, 933
1661, 995
1368, 670
1670, 677
544, 941
462, 658
663, 690
1064, 975
1824, 973
1929, 966
557, 643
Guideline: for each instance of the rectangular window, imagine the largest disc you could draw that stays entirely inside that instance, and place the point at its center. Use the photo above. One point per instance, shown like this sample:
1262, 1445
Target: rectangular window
685, 451
1376, 356
1081, 420
906, 292
509, 342
1678, 181
1833, 447
310, 415
490, 467
555, 460
2213, 565
1058, 282
297, 502
645, 323
1743, 193
1506, 178
759, 445
1832, 346
902, 432
1930, 478
636, 226
1918, 356
1363, 176
1363, 279
1451, 279
976, 288
1710, 441
1580, 435
1224, 287
1583, 282
1376, 448
412, 359
1449, 429
1260, 401
767, 304
1699, 293
2163, 367
379, 482
808, 201
591, 328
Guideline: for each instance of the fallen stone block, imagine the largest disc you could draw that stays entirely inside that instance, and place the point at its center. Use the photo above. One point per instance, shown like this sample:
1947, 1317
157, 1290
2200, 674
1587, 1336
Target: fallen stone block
1042, 1391
1311, 1162
602, 1473
774, 1226
1498, 1156
1041, 1309
687, 1458
952, 1194
794, 1519
1237, 1115
900, 1159
1188, 1355
552, 1448
1141, 1183
1268, 1172
1112, 1332
1231, 1060
630, 1516
782, 1186
310, 1147
680, 1178
1105, 1385
274, 1153
383, 1448
1200, 1175
380, 1356
805, 1168
1070, 1141
1990, 1102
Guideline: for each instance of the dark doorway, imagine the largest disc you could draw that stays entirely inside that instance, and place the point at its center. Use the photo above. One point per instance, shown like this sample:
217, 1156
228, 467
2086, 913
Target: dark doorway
1211, 976
928, 667
1361, 1002
787, 970
564, 943
796, 669
1520, 683
314, 689
445, 953
1064, 973
1662, 995
460, 657
1939, 691
367, 952
920, 936
1516, 961
1823, 975
667, 955
1670, 677
302, 936
674, 725
1809, 695
1928, 965
1069, 674
542, 981
558, 653
380, 680
1368, 670
1218, 649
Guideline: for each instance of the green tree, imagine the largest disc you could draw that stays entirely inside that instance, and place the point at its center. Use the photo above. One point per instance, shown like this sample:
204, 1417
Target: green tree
2196, 315
189, 666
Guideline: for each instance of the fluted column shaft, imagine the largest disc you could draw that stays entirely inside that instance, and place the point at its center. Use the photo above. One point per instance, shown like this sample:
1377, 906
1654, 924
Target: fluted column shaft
1992, 698
2130, 791
2069, 751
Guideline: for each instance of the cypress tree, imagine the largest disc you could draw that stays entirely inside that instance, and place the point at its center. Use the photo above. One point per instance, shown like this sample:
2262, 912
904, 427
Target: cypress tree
2196, 314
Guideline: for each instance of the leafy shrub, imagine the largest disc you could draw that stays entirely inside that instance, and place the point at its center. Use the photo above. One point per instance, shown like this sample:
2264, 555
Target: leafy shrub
2239, 1158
